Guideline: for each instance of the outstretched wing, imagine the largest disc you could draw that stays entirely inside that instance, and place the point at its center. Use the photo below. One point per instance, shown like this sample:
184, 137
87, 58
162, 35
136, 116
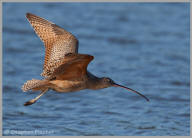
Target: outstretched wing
73, 66
58, 42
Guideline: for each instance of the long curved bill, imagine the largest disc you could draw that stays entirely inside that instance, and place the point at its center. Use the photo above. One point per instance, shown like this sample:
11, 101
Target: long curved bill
117, 85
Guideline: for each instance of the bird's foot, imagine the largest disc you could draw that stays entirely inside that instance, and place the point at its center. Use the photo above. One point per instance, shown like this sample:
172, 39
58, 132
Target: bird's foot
30, 102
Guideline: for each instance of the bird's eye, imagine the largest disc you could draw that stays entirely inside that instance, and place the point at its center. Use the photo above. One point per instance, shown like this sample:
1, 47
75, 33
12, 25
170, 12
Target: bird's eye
107, 80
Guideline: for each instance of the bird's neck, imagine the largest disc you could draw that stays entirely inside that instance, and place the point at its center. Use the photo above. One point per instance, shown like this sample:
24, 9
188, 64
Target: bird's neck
94, 82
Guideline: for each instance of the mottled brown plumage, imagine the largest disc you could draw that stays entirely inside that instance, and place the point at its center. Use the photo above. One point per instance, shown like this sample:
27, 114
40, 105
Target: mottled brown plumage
58, 42
64, 69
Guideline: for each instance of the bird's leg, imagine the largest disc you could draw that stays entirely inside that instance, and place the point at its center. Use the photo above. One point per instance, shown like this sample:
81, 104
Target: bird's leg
36, 98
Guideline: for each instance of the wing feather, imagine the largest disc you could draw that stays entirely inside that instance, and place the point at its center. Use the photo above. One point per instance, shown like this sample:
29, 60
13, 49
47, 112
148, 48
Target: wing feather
71, 67
58, 42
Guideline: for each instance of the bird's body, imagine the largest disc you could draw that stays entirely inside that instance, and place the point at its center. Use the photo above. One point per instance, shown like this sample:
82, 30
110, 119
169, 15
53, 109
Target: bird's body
64, 69
86, 82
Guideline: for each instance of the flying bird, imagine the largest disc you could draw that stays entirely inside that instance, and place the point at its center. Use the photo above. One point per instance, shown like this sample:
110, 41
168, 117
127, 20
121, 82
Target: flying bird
64, 69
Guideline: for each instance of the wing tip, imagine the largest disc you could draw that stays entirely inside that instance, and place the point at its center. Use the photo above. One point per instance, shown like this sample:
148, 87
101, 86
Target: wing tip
28, 14
75, 55
86, 56
91, 57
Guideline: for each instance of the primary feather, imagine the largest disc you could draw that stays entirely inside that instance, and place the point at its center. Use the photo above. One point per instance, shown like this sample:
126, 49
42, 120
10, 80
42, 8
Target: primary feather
58, 42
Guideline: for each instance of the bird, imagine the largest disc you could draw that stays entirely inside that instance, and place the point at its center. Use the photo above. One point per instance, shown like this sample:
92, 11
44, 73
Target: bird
64, 69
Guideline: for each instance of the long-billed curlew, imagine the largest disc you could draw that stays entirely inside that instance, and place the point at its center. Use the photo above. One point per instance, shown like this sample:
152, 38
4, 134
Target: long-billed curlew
64, 69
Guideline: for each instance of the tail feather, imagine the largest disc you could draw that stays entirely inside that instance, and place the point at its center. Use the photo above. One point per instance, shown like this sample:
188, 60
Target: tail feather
34, 85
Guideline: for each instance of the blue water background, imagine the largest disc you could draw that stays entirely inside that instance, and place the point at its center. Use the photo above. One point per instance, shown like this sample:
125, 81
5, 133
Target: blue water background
144, 46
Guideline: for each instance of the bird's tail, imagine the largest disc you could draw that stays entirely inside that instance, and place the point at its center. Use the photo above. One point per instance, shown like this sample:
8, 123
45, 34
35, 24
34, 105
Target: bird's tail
35, 85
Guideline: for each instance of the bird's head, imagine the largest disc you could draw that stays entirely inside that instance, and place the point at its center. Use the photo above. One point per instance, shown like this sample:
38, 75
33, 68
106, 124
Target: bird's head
108, 82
